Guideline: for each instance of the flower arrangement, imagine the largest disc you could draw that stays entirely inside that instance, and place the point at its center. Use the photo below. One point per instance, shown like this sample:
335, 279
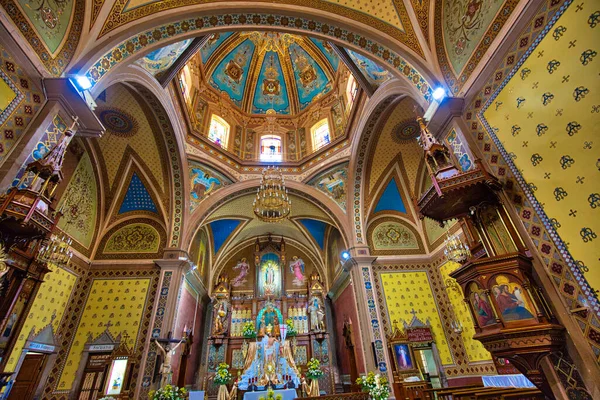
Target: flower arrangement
248, 330
169, 392
291, 331
223, 376
313, 370
376, 385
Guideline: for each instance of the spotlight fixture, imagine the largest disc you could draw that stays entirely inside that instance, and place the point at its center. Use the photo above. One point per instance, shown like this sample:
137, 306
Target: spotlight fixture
345, 255
439, 93
82, 82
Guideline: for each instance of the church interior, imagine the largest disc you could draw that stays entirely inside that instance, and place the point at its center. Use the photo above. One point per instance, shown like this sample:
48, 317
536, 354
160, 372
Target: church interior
285, 199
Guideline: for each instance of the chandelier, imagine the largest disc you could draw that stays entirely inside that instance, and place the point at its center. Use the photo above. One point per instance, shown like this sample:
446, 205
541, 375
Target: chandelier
455, 250
272, 203
56, 250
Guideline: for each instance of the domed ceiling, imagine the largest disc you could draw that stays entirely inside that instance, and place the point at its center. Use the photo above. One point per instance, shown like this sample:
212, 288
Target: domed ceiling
259, 71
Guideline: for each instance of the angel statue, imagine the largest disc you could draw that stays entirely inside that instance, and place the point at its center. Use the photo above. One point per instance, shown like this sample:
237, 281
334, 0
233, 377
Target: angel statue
240, 279
166, 371
297, 268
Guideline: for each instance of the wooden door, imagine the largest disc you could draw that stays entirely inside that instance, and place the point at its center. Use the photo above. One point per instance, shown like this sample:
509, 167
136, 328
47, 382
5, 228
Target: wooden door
94, 377
28, 377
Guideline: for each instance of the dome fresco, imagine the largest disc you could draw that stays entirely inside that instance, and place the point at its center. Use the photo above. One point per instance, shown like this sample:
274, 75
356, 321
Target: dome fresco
259, 71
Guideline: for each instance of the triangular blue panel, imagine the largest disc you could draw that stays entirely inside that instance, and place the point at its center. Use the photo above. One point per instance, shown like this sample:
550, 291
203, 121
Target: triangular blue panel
221, 229
137, 197
316, 229
391, 200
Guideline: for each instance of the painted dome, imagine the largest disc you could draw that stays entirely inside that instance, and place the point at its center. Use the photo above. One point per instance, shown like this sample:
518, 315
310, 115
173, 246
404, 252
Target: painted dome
260, 71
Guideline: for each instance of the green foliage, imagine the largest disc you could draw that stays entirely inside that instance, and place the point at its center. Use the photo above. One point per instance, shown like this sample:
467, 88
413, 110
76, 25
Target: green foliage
291, 331
223, 376
169, 392
248, 330
313, 370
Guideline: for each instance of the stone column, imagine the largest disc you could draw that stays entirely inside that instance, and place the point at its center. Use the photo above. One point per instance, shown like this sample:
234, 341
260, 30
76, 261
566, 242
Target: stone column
369, 330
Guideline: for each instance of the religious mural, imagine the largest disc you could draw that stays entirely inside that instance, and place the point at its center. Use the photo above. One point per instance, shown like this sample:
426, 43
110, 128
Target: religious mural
160, 60
481, 305
464, 24
335, 246
272, 91
311, 80
297, 269
333, 183
241, 268
203, 182
213, 42
79, 204
200, 252
544, 119
375, 74
231, 74
511, 299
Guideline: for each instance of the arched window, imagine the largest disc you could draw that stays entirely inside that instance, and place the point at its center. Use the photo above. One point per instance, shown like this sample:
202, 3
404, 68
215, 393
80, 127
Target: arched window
351, 91
320, 134
270, 148
218, 131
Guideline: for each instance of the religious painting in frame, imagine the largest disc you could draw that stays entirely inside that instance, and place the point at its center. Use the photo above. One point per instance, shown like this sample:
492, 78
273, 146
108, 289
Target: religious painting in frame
512, 300
481, 305
404, 358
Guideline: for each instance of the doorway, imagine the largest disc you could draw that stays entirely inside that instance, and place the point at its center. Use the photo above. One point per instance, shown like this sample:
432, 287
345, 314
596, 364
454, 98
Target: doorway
28, 377
94, 377
427, 365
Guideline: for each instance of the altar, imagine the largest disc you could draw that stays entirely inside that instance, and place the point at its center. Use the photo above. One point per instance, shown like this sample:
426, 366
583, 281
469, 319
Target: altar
268, 321
286, 394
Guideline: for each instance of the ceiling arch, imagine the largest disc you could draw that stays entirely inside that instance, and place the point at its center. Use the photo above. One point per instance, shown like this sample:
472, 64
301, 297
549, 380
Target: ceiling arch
321, 206
123, 47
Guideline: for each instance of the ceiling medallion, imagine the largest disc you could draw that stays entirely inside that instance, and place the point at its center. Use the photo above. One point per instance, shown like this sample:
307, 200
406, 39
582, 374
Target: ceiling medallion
406, 130
272, 203
118, 122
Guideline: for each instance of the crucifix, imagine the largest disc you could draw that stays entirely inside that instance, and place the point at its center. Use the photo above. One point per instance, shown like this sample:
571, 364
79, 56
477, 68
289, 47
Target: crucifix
166, 371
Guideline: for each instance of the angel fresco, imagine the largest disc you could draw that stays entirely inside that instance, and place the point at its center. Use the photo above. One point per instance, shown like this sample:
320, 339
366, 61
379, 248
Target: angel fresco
243, 268
297, 268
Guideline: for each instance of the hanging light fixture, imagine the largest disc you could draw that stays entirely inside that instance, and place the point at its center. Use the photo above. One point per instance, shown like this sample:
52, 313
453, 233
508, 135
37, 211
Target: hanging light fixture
455, 250
56, 250
272, 203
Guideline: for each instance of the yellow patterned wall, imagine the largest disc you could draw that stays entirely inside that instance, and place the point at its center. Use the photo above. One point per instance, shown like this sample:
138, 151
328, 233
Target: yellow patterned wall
546, 117
52, 299
405, 291
475, 350
120, 301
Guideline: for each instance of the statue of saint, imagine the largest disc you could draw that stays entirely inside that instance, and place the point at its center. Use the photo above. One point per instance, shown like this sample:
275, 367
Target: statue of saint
220, 324
317, 315
166, 371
